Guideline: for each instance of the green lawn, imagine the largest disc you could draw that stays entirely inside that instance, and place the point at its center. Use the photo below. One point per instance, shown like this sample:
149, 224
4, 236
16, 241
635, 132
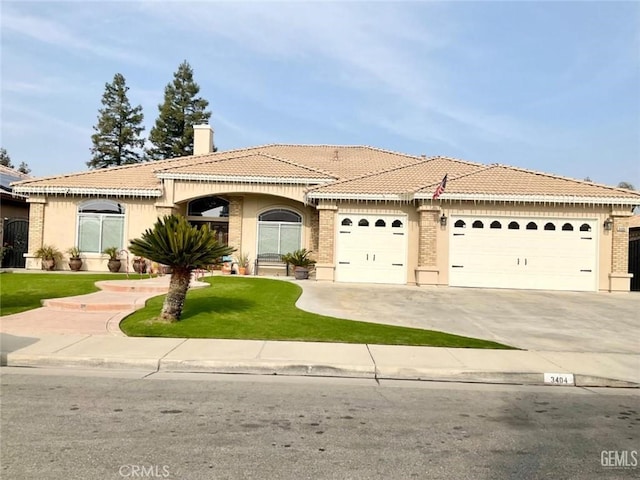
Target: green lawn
24, 291
263, 309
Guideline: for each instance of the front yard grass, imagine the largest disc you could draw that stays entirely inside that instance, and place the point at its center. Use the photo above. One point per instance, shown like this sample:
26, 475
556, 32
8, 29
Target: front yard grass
264, 309
24, 291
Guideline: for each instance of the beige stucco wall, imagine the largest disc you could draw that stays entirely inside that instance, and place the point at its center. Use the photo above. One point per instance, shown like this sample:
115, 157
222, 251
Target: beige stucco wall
61, 229
60, 222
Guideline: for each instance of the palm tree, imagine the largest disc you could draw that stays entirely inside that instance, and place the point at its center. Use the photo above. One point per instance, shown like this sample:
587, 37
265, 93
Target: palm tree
174, 242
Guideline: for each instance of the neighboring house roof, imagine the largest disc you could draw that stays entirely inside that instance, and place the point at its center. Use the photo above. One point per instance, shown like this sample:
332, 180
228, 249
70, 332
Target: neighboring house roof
8, 176
337, 172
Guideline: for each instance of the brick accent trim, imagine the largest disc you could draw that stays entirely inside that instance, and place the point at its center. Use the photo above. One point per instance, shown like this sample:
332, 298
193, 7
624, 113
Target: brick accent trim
620, 245
36, 226
326, 233
428, 224
235, 222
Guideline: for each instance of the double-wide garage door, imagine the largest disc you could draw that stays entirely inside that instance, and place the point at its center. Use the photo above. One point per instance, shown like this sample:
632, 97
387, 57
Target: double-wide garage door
527, 253
371, 248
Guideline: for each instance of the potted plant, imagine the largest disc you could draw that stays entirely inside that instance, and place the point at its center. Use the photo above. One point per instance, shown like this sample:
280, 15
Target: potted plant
243, 263
139, 265
75, 262
301, 261
114, 263
49, 255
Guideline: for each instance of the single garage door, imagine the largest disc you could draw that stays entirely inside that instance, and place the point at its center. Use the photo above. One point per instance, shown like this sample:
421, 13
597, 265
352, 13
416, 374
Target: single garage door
527, 253
371, 248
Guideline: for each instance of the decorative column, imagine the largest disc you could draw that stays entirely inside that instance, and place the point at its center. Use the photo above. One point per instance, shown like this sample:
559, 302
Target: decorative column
427, 271
325, 268
36, 230
314, 228
235, 223
619, 278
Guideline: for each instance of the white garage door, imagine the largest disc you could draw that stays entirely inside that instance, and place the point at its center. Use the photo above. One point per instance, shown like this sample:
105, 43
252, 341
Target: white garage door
527, 253
371, 248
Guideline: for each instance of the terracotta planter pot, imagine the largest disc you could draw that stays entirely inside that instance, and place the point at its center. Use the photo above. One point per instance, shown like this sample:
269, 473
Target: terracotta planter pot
48, 264
140, 266
301, 273
75, 264
242, 270
114, 265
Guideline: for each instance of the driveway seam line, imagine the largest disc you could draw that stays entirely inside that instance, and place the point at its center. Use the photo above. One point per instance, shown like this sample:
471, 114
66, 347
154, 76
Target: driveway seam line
375, 366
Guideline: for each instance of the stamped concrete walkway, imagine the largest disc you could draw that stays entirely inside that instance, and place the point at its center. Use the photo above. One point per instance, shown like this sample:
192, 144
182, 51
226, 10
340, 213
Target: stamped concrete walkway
83, 332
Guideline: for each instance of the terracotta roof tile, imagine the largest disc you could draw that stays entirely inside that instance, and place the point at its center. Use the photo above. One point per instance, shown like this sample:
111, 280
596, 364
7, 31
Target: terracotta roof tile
254, 165
357, 170
505, 180
402, 179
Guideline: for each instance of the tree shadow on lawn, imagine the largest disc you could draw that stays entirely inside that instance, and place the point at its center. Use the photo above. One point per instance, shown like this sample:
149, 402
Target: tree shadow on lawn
194, 307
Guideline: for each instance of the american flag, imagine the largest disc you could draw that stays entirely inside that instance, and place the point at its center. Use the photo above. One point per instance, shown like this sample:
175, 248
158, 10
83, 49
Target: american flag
440, 188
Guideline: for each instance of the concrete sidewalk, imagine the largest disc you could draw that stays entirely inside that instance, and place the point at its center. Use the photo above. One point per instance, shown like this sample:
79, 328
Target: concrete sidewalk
82, 332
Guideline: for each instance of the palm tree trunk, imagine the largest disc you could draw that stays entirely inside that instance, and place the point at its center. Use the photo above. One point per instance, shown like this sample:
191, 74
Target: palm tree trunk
174, 301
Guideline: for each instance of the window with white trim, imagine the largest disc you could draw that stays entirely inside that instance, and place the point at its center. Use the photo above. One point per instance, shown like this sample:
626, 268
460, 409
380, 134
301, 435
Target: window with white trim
279, 231
100, 225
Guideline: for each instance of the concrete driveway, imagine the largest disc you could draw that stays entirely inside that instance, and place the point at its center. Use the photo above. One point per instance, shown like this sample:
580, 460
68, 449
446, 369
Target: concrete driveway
532, 320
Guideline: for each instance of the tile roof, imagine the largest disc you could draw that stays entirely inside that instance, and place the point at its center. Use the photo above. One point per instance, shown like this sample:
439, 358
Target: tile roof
257, 165
506, 180
404, 179
338, 171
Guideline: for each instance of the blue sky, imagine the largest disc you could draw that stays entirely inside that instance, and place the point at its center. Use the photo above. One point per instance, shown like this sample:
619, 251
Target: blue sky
548, 86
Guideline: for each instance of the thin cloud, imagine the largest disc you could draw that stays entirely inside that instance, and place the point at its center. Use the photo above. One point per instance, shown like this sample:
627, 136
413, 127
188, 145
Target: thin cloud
58, 35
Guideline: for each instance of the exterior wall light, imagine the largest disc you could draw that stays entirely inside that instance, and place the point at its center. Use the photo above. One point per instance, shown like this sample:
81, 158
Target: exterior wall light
443, 220
608, 224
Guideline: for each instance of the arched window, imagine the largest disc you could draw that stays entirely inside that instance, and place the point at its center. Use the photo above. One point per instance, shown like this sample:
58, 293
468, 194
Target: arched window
100, 225
213, 207
514, 226
380, 223
280, 215
477, 224
279, 231
496, 224
346, 222
532, 226
396, 224
585, 227
363, 223
549, 226
567, 227
460, 224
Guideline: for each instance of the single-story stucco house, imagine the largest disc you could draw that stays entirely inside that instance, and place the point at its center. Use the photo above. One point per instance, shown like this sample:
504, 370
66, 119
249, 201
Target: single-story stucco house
369, 215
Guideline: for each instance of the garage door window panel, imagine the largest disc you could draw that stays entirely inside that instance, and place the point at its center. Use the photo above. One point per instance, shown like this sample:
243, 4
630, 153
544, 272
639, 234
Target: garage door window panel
363, 223
496, 225
549, 226
567, 227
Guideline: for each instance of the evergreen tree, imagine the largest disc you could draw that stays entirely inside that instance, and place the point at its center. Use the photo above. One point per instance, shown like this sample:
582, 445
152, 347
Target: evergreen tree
627, 185
172, 134
117, 136
24, 168
5, 159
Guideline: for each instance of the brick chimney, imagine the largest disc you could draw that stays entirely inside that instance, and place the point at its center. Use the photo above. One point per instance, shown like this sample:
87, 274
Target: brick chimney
202, 139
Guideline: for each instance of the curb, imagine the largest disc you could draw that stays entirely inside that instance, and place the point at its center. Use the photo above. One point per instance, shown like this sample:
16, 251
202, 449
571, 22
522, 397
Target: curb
302, 370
